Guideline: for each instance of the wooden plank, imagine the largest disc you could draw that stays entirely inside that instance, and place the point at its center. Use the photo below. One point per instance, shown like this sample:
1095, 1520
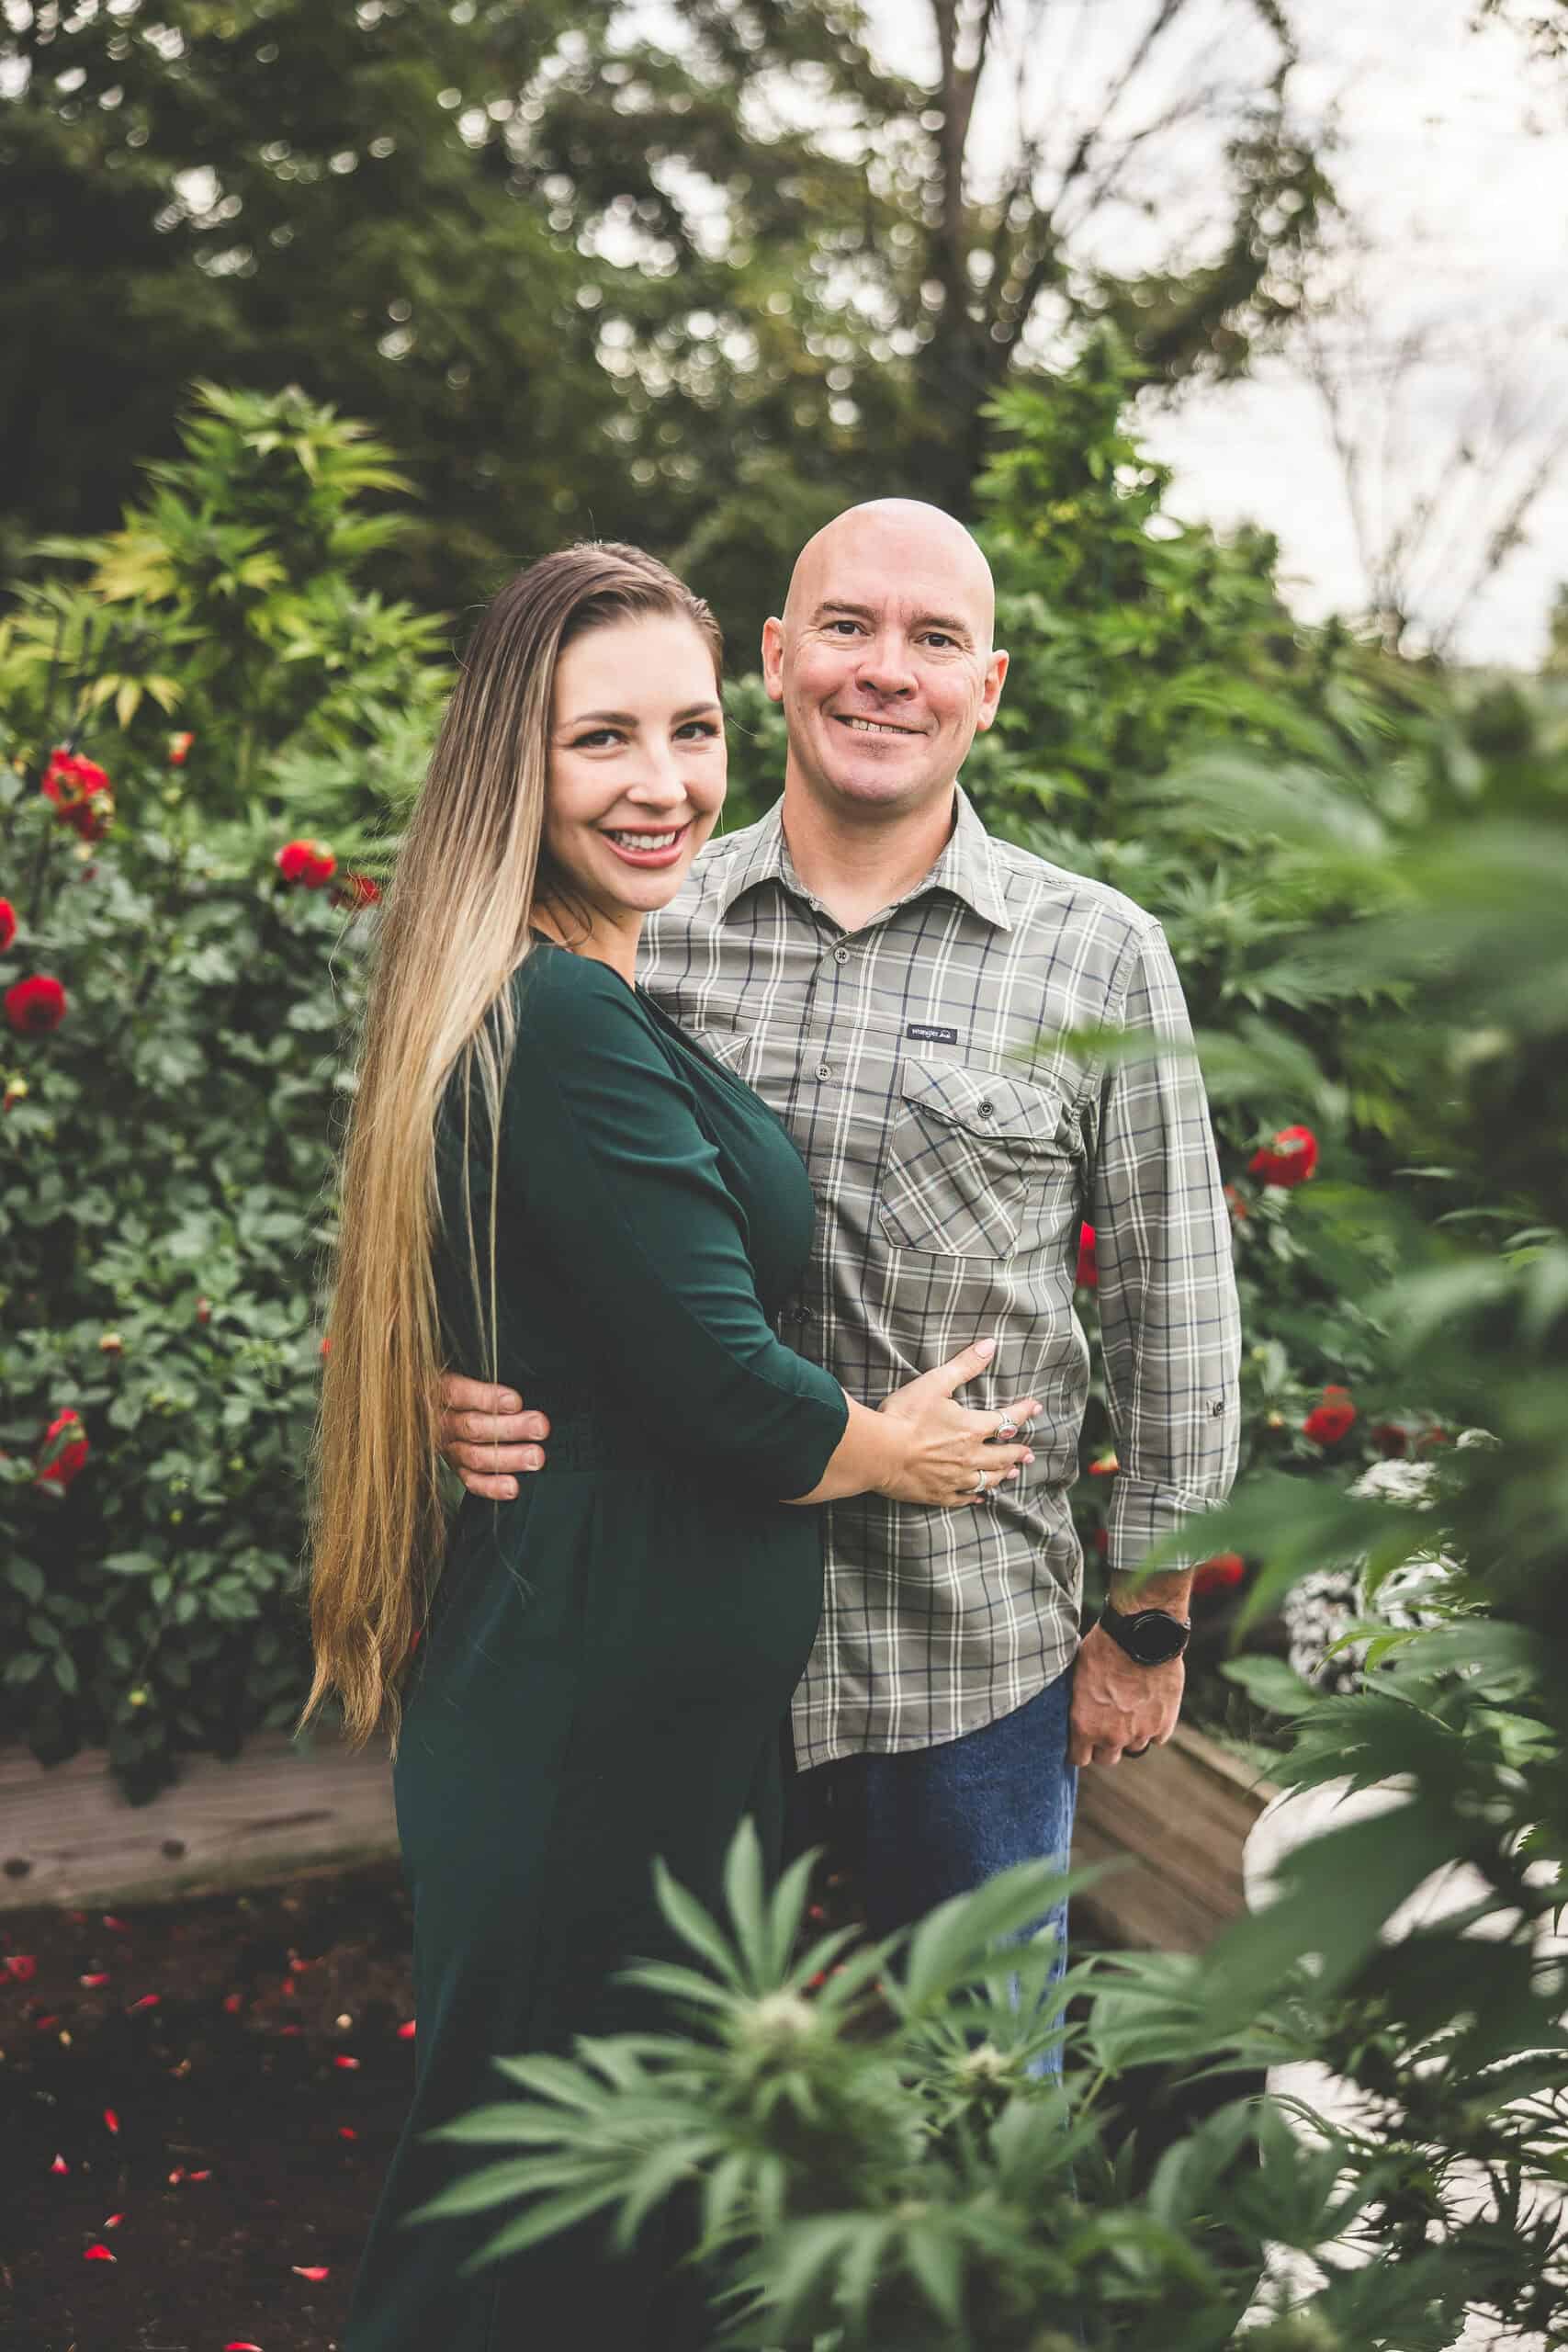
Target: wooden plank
68, 1836
1179, 1819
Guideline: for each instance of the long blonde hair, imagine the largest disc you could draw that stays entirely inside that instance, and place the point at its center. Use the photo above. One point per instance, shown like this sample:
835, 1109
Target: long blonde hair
454, 928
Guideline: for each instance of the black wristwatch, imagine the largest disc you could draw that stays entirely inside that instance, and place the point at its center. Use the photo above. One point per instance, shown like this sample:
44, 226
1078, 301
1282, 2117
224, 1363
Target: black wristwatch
1149, 1636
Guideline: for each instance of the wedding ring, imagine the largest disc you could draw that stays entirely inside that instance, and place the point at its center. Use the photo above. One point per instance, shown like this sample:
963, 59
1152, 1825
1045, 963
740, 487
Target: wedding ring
982, 1481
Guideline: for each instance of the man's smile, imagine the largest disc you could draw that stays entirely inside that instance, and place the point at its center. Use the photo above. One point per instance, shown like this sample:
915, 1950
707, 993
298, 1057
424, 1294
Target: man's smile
874, 726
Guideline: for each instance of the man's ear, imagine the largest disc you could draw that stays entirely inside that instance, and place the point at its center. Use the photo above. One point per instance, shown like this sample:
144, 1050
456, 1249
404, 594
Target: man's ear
772, 659
991, 693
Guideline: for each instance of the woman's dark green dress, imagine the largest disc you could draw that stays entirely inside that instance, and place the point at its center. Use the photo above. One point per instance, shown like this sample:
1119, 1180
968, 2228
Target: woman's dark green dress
608, 1659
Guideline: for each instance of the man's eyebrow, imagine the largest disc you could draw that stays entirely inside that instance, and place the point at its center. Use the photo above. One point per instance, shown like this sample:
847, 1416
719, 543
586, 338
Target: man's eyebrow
948, 621
631, 718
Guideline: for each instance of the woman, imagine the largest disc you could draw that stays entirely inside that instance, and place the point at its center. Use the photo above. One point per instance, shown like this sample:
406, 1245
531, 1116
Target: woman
605, 1666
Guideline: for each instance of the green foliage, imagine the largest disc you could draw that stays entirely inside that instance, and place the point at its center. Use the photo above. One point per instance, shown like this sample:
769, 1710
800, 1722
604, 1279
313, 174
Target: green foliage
166, 1149
232, 603
693, 277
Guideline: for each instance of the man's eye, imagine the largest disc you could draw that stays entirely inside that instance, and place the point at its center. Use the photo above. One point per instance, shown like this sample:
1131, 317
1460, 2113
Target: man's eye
939, 637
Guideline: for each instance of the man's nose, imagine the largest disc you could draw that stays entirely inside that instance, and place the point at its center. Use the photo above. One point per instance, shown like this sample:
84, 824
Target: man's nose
886, 668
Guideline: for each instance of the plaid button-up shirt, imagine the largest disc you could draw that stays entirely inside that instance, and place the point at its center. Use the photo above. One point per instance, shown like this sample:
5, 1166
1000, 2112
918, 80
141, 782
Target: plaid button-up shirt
955, 1147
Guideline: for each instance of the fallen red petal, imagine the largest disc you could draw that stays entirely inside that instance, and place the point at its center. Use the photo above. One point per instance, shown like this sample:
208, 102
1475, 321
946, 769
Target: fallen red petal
177, 2175
118, 1924
351, 2065
21, 1965
291, 2029
60, 2164
148, 2001
406, 2030
41, 2025
347, 2132
205, 2174
233, 2002
102, 1978
111, 2121
96, 2253
310, 2270
114, 2221
241, 2348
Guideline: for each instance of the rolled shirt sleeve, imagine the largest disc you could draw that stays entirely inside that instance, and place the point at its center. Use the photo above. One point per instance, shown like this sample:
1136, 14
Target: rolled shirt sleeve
1169, 1322
609, 1172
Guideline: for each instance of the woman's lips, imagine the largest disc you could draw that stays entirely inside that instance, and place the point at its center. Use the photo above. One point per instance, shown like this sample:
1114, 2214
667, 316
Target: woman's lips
669, 845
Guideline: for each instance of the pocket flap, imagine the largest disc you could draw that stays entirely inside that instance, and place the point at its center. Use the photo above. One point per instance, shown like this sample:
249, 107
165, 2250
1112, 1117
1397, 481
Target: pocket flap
984, 1104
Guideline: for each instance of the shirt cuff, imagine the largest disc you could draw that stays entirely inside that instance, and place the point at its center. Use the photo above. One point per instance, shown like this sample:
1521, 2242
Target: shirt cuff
1141, 1512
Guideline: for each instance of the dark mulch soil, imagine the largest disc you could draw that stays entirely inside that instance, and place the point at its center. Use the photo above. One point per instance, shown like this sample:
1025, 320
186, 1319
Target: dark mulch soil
225, 2103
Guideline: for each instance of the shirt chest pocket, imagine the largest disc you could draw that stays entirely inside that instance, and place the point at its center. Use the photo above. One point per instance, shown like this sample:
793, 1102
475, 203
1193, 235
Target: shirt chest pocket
976, 1164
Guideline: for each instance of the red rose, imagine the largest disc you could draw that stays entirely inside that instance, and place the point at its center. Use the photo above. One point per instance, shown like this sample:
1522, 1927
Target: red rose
80, 791
309, 862
1329, 1422
179, 750
7, 924
1220, 1573
356, 890
1287, 1161
35, 1005
1088, 1275
63, 1452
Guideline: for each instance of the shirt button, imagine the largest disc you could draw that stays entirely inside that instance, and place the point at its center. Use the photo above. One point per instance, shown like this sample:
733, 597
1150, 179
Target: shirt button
823, 1070
987, 1110
841, 955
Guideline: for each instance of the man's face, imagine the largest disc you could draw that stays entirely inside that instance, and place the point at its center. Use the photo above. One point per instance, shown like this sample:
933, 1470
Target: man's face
884, 660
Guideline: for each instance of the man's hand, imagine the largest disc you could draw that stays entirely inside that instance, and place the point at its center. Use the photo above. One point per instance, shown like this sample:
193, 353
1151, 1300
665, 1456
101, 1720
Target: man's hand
1120, 1708
488, 1437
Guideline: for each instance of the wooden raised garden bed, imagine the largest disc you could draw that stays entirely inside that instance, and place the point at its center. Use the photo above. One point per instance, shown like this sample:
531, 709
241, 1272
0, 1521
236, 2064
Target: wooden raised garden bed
1174, 1822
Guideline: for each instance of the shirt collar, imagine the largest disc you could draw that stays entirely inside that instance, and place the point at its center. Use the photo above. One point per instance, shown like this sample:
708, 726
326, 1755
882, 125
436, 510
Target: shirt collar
966, 867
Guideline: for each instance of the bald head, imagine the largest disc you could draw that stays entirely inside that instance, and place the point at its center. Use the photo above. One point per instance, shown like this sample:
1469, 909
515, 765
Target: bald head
885, 664
898, 540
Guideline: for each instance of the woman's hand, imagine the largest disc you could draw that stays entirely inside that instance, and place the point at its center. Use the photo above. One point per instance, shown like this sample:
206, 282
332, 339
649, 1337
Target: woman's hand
950, 1454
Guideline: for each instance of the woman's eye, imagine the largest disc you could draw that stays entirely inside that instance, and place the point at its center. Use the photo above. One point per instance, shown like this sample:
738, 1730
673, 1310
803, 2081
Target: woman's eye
592, 741
699, 730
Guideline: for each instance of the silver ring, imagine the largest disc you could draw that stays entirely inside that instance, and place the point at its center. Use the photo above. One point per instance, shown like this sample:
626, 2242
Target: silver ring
1006, 1427
982, 1480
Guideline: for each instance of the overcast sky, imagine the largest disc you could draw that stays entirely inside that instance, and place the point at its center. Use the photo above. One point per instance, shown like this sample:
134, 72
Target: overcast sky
1454, 154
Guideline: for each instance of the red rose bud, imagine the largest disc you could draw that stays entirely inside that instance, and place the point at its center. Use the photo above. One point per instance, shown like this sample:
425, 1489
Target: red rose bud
7, 924
1287, 1161
35, 1005
1219, 1574
62, 1454
81, 793
1088, 1275
179, 750
1334, 1418
310, 863
356, 890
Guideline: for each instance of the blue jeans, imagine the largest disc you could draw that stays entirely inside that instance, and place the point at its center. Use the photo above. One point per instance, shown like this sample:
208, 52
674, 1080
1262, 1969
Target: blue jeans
914, 1829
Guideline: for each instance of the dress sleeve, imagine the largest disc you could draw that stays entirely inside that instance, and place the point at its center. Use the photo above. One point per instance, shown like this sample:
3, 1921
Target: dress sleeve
614, 1182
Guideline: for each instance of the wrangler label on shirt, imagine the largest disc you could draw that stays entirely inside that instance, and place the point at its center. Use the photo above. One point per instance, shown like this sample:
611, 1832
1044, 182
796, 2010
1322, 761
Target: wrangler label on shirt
932, 1033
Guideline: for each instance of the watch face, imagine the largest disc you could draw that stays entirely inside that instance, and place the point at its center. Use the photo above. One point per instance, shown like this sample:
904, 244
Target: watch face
1152, 1637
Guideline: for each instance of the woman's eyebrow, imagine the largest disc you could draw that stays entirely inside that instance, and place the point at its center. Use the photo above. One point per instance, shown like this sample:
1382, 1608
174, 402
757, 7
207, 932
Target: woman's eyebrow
632, 719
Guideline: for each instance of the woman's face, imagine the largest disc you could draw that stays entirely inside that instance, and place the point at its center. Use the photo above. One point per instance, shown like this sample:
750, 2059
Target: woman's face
638, 764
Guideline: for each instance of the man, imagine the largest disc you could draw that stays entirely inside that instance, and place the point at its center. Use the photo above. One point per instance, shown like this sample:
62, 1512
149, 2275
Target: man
896, 985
